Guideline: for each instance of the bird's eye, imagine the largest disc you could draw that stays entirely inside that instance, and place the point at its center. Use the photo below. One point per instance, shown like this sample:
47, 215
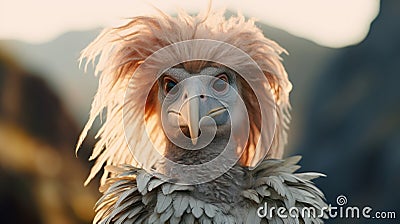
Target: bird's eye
221, 83
169, 85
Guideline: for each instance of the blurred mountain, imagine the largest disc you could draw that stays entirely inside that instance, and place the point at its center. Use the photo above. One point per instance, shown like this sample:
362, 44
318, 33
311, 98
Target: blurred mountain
353, 121
57, 63
40, 177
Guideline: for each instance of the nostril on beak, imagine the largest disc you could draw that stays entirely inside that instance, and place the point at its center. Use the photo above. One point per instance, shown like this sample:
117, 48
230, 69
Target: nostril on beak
185, 96
202, 96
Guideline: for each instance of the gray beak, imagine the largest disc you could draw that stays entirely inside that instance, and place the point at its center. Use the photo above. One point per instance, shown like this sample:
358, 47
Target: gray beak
191, 113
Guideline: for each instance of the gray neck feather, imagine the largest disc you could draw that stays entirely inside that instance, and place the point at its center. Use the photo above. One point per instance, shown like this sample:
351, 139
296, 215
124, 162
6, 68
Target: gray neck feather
224, 189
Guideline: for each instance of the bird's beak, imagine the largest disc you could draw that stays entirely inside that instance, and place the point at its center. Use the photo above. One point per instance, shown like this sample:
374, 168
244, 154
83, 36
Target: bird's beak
190, 112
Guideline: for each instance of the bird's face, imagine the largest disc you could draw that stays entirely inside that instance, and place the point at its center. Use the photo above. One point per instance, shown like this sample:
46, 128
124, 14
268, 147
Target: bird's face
197, 105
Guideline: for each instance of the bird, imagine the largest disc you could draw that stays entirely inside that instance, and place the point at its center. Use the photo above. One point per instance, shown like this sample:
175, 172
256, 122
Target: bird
196, 114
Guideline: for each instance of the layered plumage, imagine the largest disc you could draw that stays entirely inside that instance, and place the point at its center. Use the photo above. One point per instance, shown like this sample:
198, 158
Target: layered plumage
133, 143
135, 196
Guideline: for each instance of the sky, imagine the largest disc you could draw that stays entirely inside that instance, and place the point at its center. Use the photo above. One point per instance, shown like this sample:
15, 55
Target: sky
332, 23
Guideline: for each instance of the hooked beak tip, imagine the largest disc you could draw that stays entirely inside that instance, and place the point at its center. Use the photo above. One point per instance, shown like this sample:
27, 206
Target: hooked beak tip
194, 141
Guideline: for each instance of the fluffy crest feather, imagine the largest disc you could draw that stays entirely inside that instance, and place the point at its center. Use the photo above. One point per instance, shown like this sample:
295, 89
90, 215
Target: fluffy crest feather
120, 51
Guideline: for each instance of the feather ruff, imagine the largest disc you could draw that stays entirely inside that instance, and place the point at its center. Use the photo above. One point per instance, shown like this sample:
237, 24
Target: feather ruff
135, 196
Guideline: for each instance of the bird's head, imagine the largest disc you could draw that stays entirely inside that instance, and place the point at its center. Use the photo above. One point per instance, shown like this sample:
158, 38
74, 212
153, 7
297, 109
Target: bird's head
184, 81
197, 103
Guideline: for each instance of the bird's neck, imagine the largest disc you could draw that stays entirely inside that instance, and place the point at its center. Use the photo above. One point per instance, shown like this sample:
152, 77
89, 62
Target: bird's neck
225, 188
196, 157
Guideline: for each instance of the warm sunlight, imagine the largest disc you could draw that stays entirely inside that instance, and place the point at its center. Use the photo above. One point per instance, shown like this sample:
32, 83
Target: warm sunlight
330, 23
